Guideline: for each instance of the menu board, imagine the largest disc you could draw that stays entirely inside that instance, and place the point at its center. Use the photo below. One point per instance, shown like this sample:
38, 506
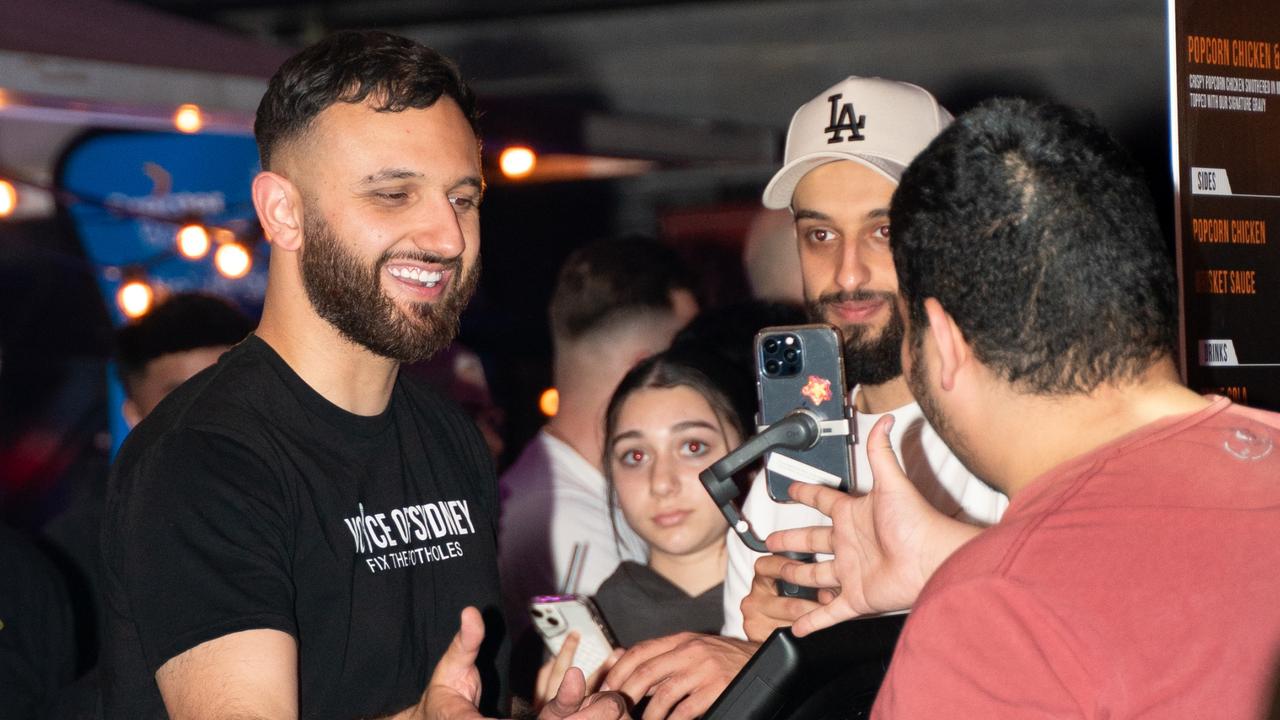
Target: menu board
1225, 88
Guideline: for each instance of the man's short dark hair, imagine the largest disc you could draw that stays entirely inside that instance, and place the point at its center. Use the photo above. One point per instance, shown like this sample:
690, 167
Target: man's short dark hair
1036, 232
353, 66
185, 321
610, 280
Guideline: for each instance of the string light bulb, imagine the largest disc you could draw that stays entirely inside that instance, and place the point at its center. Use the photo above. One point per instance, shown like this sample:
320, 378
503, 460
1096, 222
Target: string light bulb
232, 260
188, 118
8, 198
517, 161
193, 241
549, 402
135, 298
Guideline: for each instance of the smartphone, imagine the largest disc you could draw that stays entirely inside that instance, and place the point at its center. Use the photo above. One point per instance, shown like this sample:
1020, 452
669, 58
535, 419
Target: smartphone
555, 616
801, 367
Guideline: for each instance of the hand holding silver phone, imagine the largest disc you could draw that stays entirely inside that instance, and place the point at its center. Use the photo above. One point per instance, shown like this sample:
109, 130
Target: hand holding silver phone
555, 616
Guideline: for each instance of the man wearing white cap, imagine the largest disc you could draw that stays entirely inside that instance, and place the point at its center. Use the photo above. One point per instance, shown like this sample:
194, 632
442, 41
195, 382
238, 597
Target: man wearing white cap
846, 150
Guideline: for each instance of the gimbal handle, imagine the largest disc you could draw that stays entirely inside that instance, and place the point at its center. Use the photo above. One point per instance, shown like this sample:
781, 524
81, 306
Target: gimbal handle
797, 431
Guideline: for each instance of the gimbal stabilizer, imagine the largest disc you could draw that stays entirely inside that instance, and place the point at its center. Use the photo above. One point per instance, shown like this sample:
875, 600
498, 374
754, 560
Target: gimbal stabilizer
799, 430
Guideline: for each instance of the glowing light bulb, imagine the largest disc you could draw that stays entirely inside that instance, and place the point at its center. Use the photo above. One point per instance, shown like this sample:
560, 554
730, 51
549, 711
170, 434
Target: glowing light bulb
233, 260
549, 403
135, 298
517, 161
188, 118
193, 241
8, 198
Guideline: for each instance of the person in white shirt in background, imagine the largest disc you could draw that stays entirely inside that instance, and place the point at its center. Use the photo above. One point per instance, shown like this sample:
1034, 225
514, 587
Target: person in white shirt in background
615, 303
846, 150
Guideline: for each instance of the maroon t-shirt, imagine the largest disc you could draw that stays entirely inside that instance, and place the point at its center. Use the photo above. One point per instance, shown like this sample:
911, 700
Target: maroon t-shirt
1141, 580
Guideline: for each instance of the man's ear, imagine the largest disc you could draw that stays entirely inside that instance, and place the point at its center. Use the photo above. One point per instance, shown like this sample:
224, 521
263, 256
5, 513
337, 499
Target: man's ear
953, 350
279, 206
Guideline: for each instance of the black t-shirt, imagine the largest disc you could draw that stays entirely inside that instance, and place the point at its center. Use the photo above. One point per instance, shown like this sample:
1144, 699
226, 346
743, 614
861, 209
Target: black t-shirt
639, 604
246, 500
37, 640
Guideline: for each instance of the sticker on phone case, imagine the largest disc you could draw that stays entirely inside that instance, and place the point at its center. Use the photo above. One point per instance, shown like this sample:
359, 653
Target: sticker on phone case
818, 390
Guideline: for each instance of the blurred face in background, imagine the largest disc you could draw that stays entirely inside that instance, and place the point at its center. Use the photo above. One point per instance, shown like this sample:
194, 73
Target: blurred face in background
664, 438
162, 375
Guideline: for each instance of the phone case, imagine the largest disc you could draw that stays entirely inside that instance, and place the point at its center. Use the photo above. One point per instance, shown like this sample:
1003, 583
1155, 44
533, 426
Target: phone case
802, 366
555, 616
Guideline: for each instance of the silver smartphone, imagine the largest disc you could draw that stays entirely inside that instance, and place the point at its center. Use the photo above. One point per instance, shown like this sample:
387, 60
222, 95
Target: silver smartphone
801, 367
555, 616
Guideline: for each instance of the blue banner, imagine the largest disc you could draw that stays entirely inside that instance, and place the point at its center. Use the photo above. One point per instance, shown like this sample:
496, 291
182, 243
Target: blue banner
128, 193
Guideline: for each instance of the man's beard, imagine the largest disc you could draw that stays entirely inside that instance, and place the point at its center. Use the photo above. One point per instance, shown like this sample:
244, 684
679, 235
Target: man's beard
868, 359
917, 381
349, 295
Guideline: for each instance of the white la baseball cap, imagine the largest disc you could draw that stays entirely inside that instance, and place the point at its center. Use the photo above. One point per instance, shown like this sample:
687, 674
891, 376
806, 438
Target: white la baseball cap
880, 123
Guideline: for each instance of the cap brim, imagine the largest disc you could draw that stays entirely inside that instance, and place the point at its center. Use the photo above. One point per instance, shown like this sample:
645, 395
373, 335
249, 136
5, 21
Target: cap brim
777, 194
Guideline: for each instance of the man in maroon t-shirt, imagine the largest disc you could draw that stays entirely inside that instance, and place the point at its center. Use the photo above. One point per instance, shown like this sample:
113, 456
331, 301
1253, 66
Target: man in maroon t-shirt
1134, 573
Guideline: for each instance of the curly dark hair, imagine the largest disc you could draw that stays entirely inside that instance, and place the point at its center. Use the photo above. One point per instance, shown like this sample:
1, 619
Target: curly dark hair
1036, 232
354, 66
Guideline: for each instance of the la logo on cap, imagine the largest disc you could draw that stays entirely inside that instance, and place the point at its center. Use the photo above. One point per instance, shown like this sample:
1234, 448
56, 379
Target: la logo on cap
828, 128
842, 120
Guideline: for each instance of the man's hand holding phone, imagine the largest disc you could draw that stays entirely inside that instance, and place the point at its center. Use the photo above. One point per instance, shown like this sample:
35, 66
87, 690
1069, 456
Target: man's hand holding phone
553, 672
886, 544
454, 687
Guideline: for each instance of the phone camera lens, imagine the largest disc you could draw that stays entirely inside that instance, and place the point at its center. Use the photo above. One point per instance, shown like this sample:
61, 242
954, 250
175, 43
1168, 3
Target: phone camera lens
772, 367
771, 345
552, 621
790, 354
537, 613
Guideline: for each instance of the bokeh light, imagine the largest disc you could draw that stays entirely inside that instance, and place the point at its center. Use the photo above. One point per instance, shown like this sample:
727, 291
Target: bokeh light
517, 161
135, 298
193, 241
549, 403
188, 118
8, 198
232, 260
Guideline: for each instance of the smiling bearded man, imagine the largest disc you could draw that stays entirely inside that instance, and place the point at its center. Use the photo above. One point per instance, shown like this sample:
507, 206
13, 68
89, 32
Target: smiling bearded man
296, 531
